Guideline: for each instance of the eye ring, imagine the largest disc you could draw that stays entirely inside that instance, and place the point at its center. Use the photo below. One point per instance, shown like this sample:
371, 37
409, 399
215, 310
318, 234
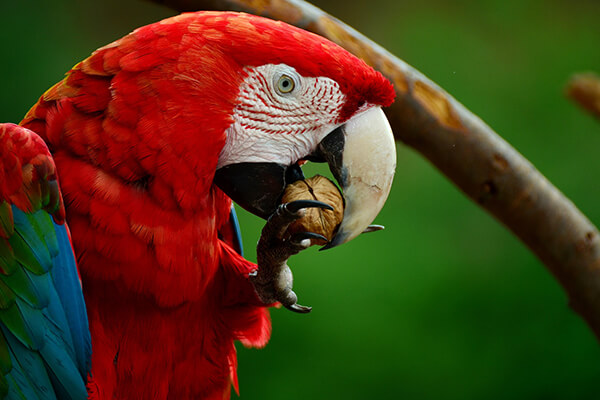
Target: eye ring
285, 84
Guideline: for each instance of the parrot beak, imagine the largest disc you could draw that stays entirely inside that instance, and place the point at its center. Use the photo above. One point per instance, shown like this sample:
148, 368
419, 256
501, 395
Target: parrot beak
362, 157
361, 154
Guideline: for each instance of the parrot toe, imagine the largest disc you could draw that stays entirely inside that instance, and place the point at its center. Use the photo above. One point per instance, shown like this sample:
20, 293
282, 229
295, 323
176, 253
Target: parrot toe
273, 280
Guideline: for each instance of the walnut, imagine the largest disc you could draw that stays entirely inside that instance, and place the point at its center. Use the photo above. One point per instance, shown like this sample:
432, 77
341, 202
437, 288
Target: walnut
317, 220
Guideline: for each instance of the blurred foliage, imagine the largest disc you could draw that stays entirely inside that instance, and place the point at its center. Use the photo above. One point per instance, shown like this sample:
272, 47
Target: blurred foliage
445, 303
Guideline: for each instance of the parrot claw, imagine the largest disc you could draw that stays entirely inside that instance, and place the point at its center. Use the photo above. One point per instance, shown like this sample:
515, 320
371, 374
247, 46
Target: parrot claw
295, 206
373, 228
303, 239
299, 309
273, 280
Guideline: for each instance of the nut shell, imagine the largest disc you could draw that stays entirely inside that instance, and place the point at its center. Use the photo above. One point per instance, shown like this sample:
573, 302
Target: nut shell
316, 220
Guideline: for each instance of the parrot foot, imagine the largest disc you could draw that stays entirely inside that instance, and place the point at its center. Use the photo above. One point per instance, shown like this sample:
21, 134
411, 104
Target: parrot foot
273, 280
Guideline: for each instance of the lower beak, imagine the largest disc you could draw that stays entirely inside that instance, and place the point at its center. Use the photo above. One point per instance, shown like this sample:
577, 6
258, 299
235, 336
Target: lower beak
361, 155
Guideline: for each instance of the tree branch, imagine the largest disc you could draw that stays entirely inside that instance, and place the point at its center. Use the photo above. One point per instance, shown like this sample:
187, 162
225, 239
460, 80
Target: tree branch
467, 151
584, 89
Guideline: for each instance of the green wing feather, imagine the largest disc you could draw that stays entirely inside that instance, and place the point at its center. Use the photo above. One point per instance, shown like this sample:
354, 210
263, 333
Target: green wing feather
44, 337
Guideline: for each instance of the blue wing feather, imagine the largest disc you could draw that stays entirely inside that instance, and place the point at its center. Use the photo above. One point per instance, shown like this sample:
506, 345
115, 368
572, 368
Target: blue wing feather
237, 233
68, 287
29, 231
13, 391
28, 371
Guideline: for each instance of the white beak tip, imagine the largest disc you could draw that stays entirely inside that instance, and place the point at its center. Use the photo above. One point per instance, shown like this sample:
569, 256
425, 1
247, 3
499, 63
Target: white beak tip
369, 163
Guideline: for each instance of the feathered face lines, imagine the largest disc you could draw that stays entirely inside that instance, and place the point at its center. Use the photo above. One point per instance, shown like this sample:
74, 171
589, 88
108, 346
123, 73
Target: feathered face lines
280, 116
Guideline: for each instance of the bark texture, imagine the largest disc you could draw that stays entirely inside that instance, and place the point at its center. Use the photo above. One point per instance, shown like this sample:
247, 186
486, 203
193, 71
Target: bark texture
584, 89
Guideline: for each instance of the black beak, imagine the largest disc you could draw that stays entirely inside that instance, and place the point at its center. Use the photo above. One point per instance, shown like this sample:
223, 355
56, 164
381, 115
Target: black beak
257, 187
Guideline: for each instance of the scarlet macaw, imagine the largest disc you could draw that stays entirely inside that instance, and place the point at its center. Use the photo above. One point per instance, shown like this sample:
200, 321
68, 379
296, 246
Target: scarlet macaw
153, 136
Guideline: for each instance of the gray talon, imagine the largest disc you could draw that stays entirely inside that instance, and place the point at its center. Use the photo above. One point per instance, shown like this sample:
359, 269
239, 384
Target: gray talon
299, 237
373, 228
299, 309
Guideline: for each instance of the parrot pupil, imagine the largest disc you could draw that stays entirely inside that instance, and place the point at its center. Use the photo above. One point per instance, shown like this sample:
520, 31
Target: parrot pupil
285, 84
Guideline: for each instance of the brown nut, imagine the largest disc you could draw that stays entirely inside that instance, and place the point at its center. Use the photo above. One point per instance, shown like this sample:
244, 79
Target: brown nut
316, 220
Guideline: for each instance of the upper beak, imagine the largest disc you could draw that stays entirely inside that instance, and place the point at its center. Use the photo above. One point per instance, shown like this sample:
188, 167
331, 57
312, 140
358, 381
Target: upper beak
361, 155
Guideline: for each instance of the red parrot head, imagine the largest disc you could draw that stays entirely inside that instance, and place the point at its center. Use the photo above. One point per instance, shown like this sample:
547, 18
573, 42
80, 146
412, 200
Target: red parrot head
302, 97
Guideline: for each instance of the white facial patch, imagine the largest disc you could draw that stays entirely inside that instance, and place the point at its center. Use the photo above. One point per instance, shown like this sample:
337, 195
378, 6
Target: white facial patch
280, 116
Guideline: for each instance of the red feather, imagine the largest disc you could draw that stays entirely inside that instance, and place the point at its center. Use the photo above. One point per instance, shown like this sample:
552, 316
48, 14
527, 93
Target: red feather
27, 176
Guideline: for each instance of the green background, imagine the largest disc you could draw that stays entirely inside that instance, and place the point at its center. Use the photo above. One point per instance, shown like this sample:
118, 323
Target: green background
445, 303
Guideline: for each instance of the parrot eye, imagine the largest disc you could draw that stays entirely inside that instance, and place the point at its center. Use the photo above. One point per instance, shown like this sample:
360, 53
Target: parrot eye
285, 84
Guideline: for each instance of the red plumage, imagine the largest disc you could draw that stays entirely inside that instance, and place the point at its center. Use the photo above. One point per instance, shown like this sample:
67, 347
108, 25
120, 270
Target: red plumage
27, 176
136, 131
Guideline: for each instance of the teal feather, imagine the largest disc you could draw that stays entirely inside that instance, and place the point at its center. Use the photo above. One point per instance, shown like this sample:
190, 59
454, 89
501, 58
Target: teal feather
65, 277
29, 371
44, 229
67, 379
24, 254
31, 288
5, 363
7, 296
57, 322
45, 345
13, 391
30, 231
12, 319
3, 388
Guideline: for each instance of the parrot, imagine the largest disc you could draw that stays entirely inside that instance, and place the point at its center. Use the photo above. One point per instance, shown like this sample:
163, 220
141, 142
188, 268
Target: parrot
119, 183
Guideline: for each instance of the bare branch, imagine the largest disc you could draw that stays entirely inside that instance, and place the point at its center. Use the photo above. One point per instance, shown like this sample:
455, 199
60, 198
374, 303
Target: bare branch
467, 151
584, 89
